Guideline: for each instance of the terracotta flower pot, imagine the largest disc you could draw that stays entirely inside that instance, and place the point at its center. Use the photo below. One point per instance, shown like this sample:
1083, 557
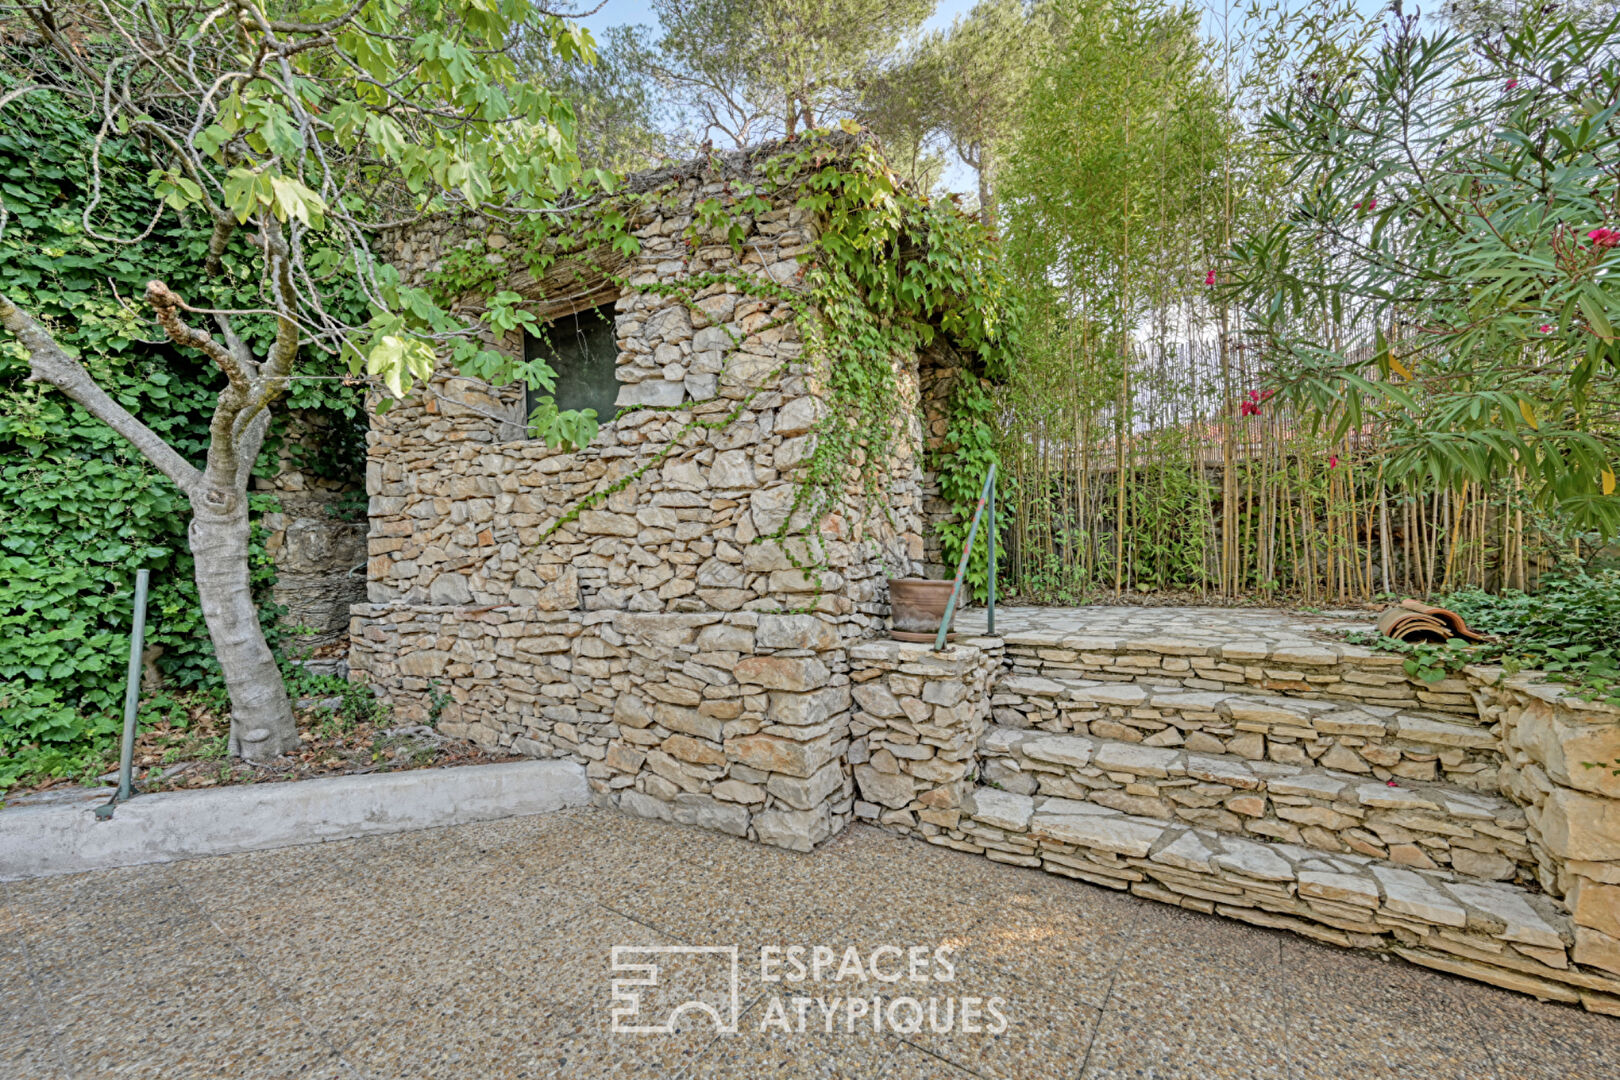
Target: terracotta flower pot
917, 606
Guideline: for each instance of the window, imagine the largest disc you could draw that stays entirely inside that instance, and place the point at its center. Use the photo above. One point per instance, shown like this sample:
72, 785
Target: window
583, 351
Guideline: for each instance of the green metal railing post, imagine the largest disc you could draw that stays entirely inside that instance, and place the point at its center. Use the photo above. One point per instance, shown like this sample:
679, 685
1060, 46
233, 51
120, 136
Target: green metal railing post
990, 540
132, 700
986, 495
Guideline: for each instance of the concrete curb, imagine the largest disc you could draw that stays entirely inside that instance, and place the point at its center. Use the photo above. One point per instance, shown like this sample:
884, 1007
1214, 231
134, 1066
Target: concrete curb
40, 840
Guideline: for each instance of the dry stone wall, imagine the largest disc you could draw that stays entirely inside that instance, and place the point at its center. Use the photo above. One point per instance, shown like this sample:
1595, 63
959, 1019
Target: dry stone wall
1348, 674
1414, 825
919, 716
659, 635
1563, 765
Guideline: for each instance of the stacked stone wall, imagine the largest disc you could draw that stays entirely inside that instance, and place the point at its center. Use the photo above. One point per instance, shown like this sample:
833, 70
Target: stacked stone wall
1416, 825
1369, 740
1332, 673
659, 634
919, 716
1562, 763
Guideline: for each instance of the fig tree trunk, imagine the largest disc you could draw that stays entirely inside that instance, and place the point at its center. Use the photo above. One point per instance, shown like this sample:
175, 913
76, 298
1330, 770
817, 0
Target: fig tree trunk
262, 724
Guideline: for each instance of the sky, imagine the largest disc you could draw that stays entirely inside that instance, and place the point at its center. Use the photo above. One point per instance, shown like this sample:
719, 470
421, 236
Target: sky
958, 177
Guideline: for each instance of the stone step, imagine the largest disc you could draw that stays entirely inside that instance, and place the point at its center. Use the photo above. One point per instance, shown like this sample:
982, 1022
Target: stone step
1216, 657
1495, 932
1423, 825
1377, 741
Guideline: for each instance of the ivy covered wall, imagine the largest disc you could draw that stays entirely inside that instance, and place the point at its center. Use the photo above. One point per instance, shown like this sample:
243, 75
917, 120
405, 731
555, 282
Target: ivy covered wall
81, 509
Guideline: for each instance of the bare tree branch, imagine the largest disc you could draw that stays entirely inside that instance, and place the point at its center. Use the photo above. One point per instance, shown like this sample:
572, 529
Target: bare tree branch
49, 363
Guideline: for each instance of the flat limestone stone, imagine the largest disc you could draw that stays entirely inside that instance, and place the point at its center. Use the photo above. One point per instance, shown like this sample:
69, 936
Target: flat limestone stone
1439, 733
1217, 771
1350, 722
1001, 740
1524, 923
1030, 684
1113, 694
1309, 785
1116, 833
1135, 758
1392, 798
1003, 809
1245, 650
1256, 860
1194, 700
1299, 654
1410, 893
1262, 712
1072, 750
1188, 852
1056, 805
1345, 888
1169, 646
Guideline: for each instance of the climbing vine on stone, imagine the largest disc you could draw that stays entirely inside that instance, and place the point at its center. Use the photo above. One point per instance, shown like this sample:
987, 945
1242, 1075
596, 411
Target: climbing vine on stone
890, 275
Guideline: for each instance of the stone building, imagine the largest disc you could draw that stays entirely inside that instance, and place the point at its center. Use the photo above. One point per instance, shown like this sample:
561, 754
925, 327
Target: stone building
657, 635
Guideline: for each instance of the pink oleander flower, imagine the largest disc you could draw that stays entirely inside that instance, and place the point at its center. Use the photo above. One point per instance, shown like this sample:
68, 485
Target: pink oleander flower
1603, 237
1545, 328
1513, 84
1333, 461
1209, 278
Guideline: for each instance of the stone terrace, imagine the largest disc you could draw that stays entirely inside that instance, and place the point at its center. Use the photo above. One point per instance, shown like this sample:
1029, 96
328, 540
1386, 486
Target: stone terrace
1254, 764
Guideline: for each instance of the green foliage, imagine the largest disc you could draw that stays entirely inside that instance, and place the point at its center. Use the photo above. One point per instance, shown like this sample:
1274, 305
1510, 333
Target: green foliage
1448, 268
82, 510
752, 70
1569, 626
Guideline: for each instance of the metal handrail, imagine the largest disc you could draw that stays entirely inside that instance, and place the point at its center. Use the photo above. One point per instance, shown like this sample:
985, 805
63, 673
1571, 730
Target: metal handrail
987, 496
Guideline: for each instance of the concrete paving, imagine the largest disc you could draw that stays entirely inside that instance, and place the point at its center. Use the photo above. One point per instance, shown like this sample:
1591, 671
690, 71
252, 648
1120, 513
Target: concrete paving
487, 951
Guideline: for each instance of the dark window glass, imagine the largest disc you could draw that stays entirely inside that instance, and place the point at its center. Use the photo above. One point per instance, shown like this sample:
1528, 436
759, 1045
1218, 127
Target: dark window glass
583, 351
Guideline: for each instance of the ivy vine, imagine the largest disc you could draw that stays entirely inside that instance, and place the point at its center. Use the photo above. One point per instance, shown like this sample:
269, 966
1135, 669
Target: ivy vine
889, 274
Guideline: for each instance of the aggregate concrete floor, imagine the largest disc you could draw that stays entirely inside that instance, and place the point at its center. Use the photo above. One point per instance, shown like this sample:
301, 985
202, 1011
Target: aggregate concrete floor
485, 951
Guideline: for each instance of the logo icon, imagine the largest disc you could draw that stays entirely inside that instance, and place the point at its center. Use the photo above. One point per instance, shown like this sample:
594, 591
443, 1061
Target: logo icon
688, 976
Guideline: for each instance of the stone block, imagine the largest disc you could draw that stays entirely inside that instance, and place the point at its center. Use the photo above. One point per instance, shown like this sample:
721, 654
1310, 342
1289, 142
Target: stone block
894, 790
1597, 949
709, 813
1002, 809
645, 806
1577, 825
657, 393
807, 794
1595, 905
795, 631
695, 751
795, 673
450, 589
772, 753
796, 830
1114, 833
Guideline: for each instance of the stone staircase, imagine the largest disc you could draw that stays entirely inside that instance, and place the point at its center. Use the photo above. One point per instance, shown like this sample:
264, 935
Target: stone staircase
1301, 784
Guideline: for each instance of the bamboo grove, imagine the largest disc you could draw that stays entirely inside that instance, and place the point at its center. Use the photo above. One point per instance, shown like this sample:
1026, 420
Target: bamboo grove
1160, 434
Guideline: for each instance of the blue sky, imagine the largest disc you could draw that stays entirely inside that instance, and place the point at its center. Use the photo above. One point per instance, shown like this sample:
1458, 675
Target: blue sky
958, 177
